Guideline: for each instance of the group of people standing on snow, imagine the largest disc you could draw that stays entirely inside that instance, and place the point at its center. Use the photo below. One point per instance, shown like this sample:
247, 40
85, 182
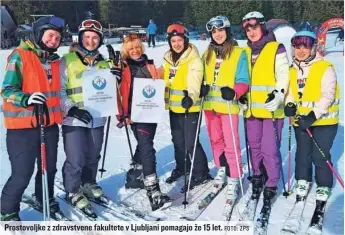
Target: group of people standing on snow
223, 81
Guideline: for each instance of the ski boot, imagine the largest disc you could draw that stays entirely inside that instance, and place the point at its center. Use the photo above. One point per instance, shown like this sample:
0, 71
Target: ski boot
269, 194
156, 197
302, 189
54, 208
219, 180
231, 196
322, 194
80, 201
257, 185
134, 177
10, 217
94, 193
175, 175
197, 181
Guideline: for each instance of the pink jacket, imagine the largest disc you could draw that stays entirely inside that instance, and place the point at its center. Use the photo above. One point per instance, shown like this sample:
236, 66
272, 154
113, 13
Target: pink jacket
328, 86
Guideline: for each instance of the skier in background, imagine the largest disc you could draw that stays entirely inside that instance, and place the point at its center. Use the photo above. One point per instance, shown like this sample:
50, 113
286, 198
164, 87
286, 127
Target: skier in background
313, 102
183, 73
32, 79
227, 79
269, 69
151, 31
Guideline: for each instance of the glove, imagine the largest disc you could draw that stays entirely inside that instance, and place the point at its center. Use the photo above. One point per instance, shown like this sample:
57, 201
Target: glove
80, 114
305, 121
243, 101
36, 98
204, 90
274, 100
117, 72
228, 93
187, 102
290, 109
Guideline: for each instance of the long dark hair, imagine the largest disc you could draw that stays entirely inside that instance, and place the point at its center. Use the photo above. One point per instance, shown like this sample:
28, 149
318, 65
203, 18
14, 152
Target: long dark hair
225, 52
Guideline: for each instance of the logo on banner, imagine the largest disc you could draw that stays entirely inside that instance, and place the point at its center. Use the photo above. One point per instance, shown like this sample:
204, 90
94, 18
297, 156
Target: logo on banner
149, 91
99, 83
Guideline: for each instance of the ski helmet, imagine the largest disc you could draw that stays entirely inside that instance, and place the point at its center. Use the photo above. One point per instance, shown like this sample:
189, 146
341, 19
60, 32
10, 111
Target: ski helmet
254, 18
219, 22
44, 23
307, 39
178, 30
90, 25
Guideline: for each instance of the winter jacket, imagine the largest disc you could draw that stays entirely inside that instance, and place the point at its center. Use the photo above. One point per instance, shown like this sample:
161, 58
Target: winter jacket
329, 89
27, 74
142, 68
71, 68
233, 72
151, 28
189, 76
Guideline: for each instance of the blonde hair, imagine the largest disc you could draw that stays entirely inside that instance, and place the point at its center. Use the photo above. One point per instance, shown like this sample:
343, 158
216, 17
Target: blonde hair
135, 42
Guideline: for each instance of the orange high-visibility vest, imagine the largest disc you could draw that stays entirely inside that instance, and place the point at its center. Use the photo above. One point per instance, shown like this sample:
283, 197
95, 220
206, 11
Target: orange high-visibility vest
34, 80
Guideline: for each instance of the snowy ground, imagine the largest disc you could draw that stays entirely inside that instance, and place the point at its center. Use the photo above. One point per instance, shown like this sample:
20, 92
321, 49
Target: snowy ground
118, 158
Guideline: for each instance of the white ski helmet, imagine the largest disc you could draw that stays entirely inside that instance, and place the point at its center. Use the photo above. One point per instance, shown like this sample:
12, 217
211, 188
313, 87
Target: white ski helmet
256, 16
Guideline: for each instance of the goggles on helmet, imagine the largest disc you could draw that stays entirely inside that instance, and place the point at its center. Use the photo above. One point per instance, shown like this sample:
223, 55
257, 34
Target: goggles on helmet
305, 41
130, 37
217, 23
176, 29
250, 23
91, 24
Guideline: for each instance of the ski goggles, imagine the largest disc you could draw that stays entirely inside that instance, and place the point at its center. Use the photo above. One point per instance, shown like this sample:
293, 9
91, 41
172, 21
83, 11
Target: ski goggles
250, 23
305, 41
176, 29
92, 24
217, 23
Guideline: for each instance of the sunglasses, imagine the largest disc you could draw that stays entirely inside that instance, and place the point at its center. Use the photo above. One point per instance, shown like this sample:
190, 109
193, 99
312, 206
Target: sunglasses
92, 24
218, 24
176, 29
130, 37
250, 23
307, 42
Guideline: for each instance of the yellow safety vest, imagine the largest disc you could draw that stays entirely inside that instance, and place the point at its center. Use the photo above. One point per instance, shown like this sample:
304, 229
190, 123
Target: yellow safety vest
312, 93
174, 88
226, 77
75, 69
262, 82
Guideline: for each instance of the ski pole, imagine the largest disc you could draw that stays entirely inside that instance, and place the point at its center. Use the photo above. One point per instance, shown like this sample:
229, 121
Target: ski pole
185, 203
45, 194
243, 100
195, 142
326, 159
235, 149
275, 128
105, 146
289, 156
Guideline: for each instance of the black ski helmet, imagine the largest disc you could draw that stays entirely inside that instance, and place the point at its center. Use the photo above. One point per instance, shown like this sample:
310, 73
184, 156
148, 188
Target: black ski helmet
178, 30
90, 25
44, 23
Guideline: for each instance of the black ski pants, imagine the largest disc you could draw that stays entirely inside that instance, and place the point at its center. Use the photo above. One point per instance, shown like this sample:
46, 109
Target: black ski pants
152, 39
24, 150
82, 148
307, 154
180, 135
145, 153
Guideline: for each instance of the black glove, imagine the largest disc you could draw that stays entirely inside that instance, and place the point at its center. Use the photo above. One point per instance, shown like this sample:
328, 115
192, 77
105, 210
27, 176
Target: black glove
187, 102
117, 72
243, 99
290, 109
80, 114
305, 121
227, 93
204, 90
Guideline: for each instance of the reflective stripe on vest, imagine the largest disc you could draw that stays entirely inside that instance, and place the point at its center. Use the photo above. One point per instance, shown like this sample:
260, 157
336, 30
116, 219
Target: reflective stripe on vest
263, 82
34, 80
312, 93
226, 77
174, 89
